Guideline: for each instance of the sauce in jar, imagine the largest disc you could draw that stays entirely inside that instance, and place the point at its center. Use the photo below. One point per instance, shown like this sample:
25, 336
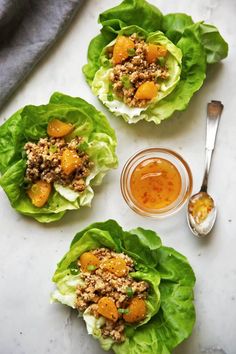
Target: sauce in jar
155, 183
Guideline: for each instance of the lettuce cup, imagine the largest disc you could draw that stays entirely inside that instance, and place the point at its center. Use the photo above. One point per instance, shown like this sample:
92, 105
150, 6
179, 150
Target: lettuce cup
51, 156
145, 65
135, 295
137, 72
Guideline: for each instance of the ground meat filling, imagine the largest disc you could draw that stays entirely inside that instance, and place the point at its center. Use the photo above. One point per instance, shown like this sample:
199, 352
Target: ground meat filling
44, 163
101, 283
127, 77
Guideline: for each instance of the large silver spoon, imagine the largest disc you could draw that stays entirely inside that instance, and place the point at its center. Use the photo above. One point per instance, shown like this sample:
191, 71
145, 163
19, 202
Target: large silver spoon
202, 210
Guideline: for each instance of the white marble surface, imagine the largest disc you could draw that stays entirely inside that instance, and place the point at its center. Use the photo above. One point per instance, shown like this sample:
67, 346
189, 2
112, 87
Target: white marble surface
29, 251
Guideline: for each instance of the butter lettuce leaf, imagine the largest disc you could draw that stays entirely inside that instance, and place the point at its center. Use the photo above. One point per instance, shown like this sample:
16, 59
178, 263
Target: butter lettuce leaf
66, 290
192, 77
173, 25
101, 82
200, 43
30, 124
171, 313
133, 12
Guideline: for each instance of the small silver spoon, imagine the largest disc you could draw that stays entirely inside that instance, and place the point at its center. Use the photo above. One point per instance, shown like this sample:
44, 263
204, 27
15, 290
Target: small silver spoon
201, 214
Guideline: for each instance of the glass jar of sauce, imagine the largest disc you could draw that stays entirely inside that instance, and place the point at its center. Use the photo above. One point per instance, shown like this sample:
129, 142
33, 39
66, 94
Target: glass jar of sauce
156, 182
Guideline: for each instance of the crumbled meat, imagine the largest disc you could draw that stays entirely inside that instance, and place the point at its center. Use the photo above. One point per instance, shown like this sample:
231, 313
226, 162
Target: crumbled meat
138, 71
100, 283
114, 330
44, 163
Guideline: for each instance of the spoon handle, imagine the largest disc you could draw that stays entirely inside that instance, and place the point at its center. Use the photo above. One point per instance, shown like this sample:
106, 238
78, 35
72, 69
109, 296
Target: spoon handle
214, 110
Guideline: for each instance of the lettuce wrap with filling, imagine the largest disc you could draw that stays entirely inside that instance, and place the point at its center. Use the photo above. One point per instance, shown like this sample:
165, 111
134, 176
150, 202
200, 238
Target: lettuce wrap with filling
170, 310
30, 124
191, 47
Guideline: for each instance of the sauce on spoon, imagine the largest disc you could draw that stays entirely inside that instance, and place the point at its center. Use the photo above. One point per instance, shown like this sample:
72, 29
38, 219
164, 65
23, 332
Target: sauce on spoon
200, 207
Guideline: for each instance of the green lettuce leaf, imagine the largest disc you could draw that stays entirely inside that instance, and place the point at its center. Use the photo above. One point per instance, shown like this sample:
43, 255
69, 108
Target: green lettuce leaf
173, 25
101, 82
214, 44
94, 51
200, 44
94, 325
11, 141
30, 124
192, 76
133, 12
66, 290
171, 314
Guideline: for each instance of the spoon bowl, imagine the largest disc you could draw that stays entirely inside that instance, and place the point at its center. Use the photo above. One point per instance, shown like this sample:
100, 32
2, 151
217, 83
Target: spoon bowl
202, 213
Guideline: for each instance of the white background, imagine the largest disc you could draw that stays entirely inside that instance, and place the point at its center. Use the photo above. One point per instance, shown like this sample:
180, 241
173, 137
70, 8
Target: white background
29, 251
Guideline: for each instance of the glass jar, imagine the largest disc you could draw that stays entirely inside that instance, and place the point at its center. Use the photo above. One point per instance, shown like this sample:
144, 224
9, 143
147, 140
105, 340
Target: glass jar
156, 154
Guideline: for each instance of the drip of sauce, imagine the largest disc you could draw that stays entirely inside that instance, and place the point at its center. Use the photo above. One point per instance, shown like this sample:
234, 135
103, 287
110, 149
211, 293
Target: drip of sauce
155, 183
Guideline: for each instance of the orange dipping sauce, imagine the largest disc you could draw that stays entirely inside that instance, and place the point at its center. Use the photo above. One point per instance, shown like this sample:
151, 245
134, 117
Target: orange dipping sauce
155, 183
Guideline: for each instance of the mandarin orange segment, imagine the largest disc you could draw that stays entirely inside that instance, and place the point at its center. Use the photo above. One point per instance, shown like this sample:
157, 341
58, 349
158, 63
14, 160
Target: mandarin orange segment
39, 193
57, 128
88, 262
136, 311
147, 91
107, 308
151, 53
154, 51
116, 266
121, 49
70, 161
162, 51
